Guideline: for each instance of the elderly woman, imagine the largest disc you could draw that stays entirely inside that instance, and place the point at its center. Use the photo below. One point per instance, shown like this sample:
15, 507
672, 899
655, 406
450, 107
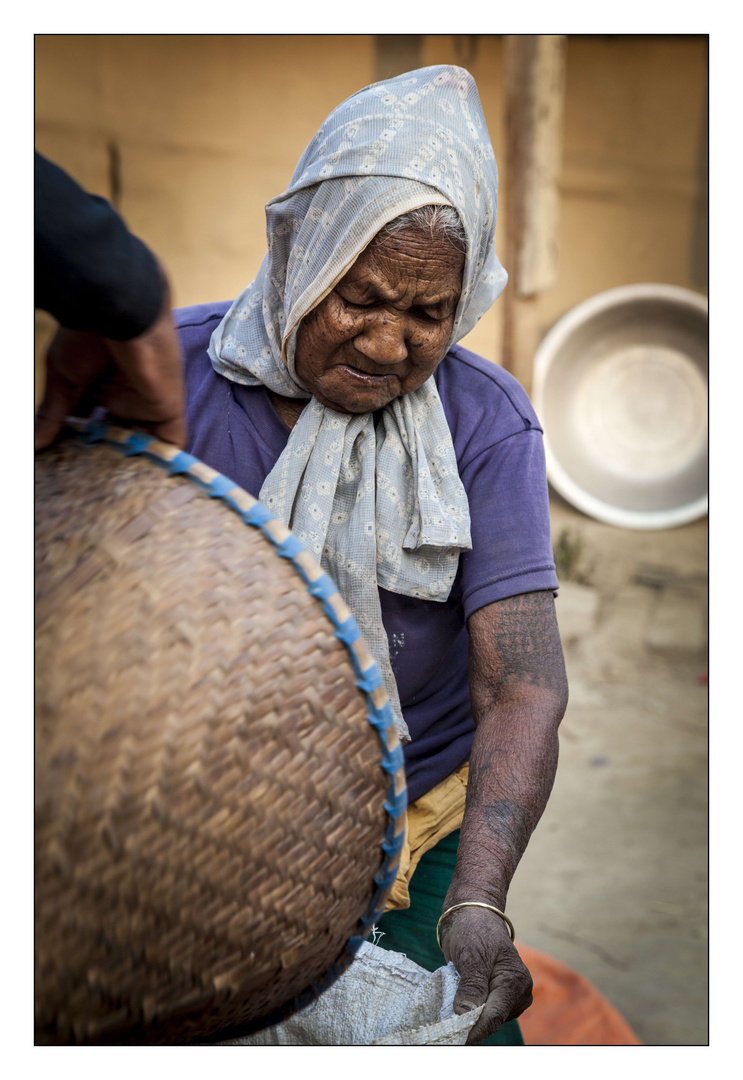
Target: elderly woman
332, 389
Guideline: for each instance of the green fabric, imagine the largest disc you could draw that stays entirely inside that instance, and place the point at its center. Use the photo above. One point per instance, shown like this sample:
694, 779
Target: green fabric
413, 931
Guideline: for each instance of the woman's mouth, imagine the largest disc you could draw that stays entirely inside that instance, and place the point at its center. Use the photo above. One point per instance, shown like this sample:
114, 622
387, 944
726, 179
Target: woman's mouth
364, 377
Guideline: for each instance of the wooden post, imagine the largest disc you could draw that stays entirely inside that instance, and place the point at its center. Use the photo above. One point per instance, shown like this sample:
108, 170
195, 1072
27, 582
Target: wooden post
534, 95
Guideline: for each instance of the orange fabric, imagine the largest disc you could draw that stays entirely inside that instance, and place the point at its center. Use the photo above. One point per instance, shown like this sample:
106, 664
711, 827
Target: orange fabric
568, 1010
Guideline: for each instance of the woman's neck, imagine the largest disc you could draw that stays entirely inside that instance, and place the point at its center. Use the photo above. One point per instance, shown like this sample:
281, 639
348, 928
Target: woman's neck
289, 409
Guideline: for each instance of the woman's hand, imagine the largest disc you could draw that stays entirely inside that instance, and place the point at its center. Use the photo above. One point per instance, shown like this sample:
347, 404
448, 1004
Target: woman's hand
138, 380
490, 969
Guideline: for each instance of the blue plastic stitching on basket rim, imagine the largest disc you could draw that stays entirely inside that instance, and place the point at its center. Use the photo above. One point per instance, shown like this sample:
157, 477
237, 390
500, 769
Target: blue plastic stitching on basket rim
380, 718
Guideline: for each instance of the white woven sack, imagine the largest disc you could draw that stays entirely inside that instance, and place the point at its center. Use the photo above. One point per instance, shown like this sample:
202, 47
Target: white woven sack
383, 999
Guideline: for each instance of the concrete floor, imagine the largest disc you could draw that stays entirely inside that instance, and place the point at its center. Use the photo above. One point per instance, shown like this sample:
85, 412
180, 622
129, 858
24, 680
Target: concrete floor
614, 882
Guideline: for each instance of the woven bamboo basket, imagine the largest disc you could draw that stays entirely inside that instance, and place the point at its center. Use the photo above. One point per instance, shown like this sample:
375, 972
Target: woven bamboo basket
219, 785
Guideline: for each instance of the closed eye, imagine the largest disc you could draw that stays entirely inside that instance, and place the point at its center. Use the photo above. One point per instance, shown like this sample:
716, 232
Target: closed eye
431, 314
355, 303
427, 314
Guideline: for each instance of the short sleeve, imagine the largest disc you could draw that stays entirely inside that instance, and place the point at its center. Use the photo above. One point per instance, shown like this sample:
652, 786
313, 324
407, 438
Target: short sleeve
509, 506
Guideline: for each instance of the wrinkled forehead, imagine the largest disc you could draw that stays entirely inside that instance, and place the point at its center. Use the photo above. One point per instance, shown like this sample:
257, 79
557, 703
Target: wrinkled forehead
413, 260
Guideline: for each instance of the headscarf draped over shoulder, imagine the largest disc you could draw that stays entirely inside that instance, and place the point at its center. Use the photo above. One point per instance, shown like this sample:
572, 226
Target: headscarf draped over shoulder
378, 507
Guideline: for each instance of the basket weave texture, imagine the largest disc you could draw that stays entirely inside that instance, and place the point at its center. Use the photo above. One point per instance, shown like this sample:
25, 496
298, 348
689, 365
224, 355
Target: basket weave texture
209, 798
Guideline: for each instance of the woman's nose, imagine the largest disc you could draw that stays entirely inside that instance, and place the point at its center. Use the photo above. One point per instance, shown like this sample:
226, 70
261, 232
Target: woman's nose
383, 339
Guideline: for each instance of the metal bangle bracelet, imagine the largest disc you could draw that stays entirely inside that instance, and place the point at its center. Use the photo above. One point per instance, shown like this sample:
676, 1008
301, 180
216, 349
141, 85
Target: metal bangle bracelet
474, 903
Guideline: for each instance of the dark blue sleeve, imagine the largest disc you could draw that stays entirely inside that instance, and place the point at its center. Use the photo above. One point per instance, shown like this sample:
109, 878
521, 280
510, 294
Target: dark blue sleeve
509, 506
500, 452
90, 272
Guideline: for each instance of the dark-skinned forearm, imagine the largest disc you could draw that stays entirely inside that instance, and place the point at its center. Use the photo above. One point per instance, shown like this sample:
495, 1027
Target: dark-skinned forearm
519, 695
512, 769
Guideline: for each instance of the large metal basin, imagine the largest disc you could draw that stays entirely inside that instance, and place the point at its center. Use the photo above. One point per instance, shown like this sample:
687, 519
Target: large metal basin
620, 386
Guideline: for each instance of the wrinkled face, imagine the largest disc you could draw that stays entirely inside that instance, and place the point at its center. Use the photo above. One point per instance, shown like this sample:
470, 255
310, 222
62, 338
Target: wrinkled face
384, 328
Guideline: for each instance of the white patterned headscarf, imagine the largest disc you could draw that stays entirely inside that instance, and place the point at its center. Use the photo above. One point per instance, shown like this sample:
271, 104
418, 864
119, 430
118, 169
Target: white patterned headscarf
378, 506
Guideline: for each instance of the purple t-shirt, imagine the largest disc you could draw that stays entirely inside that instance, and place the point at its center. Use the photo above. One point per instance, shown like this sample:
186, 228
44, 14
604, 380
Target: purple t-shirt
498, 444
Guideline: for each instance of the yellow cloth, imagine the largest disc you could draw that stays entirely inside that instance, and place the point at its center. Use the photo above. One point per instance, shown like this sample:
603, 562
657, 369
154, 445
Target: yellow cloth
429, 819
